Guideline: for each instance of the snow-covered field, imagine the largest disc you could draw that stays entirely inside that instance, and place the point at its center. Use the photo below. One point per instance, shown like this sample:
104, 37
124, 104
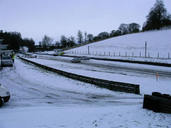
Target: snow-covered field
158, 46
41, 99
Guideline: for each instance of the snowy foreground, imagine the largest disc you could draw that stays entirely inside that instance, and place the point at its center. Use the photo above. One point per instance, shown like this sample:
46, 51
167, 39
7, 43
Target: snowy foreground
41, 99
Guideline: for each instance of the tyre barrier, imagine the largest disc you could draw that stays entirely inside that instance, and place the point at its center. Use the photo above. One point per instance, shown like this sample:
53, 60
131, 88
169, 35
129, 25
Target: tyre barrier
158, 102
111, 85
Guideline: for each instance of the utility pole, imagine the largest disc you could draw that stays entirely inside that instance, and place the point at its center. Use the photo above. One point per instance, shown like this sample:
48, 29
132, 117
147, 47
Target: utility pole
145, 49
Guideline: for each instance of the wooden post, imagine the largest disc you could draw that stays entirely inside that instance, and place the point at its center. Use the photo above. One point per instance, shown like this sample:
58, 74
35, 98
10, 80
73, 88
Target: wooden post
145, 49
158, 55
168, 55
157, 76
88, 50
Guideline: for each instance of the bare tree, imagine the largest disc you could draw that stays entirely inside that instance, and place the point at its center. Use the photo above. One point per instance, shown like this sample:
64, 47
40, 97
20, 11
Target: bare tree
80, 37
46, 41
85, 37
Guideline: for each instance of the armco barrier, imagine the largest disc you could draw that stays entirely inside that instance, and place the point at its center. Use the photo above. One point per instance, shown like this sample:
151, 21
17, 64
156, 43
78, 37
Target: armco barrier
112, 85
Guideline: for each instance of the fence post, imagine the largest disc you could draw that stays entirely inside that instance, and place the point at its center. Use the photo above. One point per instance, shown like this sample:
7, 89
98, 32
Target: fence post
158, 55
140, 54
148, 55
168, 55
145, 49
125, 54
88, 50
119, 54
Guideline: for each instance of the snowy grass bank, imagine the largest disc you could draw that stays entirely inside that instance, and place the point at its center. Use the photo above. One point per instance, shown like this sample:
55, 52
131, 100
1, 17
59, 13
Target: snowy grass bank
131, 47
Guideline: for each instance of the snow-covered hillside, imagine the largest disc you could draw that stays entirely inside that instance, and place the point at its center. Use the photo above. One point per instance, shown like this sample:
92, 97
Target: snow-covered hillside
158, 45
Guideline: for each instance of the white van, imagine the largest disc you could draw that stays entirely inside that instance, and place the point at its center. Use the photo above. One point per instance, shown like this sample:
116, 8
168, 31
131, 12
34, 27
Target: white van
6, 61
4, 95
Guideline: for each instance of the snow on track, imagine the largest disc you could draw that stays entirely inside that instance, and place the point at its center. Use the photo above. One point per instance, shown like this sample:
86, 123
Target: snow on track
41, 99
30, 85
144, 75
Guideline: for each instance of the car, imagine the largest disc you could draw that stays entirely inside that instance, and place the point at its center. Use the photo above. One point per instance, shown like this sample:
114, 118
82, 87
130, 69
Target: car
6, 61
58, 52
4, 95
76, 60
30, 55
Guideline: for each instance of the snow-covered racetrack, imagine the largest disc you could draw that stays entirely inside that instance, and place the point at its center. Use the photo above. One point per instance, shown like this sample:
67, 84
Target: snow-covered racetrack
30, 85
144, 75
116, 67
41, 99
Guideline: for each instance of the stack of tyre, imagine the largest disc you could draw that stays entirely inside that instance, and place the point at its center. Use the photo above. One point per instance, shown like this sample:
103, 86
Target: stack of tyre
158, 102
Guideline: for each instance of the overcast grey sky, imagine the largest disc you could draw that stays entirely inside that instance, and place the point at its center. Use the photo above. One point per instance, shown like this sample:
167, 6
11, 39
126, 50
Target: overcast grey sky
35, 18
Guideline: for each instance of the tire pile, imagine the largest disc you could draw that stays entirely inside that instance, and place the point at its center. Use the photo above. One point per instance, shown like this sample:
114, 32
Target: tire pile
158, 102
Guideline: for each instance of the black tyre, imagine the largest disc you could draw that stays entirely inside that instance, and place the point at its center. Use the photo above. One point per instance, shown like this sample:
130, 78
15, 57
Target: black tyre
1, 101
166, 96
157, 94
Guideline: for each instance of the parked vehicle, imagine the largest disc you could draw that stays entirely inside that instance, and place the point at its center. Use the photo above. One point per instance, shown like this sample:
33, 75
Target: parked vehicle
30, 55
76, 60
58, 52
6, 61
4, 95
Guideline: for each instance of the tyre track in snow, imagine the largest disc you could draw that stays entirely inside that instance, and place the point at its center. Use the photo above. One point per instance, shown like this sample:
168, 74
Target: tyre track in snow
27, 92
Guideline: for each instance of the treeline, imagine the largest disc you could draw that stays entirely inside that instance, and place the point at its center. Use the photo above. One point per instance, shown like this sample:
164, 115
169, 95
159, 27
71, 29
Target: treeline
84, 38
15, 41
157, 18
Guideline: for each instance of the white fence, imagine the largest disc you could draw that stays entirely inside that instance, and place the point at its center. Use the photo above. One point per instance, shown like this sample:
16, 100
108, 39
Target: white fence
156, 55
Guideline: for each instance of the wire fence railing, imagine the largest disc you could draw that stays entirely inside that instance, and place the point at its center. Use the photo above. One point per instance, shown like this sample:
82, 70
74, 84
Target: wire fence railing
156, 55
